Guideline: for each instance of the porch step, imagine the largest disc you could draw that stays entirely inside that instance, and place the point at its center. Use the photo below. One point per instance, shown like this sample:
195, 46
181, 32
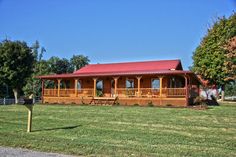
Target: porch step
103, 100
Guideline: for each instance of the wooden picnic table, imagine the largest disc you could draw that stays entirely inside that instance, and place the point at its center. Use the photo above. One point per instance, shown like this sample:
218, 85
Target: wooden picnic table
104, 100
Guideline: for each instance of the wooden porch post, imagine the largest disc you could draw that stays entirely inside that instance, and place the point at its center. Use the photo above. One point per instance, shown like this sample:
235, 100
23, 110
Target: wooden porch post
55, 88
198, 89
139, 78
94, 87
58, 87
76, 87
186, 89
161, 77
42, 90
190, 85
116, 80
55, 84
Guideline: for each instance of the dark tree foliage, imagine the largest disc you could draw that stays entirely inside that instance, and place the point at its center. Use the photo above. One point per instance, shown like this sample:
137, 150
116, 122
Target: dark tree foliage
79, 61
40, 67
60, 66
16, 64
4, 91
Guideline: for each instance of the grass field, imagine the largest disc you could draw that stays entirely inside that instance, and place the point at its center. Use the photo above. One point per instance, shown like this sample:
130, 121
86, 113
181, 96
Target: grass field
122, 131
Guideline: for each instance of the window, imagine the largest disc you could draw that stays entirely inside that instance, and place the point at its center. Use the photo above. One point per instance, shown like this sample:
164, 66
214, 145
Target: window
129, 83
155, 83
79, 85
99, 86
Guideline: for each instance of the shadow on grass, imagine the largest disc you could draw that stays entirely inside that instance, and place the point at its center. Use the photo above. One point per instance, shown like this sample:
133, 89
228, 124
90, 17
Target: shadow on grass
58, 128
212, 102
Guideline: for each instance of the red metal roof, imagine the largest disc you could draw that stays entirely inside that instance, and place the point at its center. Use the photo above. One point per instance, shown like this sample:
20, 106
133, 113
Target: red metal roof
130, 67
126, 69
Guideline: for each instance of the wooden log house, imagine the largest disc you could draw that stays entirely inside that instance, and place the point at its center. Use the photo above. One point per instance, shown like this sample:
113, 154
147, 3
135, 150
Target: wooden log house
160, 83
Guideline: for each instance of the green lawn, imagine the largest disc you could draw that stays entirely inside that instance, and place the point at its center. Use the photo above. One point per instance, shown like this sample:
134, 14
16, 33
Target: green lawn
122, 131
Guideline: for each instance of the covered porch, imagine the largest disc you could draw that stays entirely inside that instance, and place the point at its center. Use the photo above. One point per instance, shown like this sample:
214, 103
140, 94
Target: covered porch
128, 90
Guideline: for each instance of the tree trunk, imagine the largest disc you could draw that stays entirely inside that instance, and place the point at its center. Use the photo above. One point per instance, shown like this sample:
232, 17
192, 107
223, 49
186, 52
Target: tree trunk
217, 94
15, 91
223, 93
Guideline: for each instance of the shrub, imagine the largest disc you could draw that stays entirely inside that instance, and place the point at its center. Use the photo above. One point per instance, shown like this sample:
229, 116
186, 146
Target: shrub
99, 93
169, 105
135, 104
82, 100
150, 104
117, 104
199, 101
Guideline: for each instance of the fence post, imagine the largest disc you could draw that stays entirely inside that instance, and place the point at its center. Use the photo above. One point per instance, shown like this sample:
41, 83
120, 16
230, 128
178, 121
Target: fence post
4, 101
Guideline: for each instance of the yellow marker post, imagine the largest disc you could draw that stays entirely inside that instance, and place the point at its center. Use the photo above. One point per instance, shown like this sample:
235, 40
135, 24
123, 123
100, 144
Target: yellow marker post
30, 113
28, 103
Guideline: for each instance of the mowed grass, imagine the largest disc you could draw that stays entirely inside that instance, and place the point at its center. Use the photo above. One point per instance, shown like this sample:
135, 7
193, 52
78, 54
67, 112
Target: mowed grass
122, 131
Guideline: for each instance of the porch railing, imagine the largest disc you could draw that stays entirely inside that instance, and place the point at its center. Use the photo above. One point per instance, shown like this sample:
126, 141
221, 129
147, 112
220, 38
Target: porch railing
133, 92
86, 92
149, 92
68, 92
126, 92
174, 92
121, 92
50, 92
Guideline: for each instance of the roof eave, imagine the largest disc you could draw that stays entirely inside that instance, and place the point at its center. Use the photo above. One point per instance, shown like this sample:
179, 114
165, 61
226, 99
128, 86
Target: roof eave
56, 76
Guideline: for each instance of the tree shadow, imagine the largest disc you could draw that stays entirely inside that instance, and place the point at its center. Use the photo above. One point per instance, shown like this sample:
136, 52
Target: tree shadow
58, 128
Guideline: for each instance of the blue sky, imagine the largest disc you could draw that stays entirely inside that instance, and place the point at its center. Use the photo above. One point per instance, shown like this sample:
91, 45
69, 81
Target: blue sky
112, 30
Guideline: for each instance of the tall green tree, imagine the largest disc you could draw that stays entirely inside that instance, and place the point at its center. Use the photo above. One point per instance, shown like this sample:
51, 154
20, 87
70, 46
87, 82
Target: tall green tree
230, 62
79, 61
210, 56
40, 67
16, 64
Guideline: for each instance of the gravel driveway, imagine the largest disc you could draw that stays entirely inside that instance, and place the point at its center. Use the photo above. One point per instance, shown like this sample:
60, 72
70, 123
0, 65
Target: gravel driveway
13, 152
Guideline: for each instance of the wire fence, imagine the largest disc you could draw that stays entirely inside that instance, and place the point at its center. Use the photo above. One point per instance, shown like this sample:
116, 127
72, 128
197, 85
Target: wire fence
233, 98
9, 101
